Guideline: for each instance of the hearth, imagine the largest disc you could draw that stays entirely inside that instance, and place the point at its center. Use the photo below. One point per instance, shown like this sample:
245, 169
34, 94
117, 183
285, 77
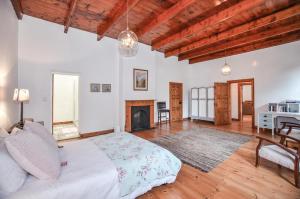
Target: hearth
140, 118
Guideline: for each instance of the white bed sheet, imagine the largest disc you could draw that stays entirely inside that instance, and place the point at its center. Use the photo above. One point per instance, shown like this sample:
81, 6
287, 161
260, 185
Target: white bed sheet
90, 174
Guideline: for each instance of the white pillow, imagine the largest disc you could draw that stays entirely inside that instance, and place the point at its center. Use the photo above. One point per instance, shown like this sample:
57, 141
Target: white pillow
15, 130
34, 155
41, 131
12, 175
3, 133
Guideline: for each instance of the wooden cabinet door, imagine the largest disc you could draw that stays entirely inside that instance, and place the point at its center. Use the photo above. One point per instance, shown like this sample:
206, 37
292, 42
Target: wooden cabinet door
222, 104
175, 95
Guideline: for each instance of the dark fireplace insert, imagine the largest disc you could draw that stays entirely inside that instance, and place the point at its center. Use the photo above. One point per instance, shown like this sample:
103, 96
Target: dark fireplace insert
140, 118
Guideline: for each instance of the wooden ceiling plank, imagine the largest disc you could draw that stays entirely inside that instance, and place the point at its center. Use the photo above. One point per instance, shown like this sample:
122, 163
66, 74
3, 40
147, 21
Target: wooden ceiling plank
18, 8
165, 16
270, 42
258, 23
71, 12
244, 40
114, 16
209, 22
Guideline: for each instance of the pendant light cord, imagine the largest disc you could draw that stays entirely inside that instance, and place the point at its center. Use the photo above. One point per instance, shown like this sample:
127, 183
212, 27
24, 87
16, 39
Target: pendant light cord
225, 55
127, 14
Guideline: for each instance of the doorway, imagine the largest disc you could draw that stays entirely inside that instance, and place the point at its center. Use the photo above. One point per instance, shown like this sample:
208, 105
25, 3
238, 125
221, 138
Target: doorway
65, 106
242, 101
175, 95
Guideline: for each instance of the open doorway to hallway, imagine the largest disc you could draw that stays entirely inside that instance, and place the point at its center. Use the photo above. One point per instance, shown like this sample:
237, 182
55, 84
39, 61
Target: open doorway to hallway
242, 101
65, 95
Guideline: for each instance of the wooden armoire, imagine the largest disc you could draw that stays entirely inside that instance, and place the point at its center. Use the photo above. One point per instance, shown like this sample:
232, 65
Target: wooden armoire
211, 103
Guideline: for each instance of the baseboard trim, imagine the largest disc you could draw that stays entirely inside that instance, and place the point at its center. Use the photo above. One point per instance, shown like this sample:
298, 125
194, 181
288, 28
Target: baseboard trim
234, 119
96, 133
65, 122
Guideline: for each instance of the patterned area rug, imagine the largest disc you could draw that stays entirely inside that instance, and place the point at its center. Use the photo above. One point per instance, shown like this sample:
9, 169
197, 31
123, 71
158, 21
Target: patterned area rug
202, 148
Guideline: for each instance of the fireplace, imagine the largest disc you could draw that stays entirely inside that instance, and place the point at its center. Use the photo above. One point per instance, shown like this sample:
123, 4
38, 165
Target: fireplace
140, 118
139, 115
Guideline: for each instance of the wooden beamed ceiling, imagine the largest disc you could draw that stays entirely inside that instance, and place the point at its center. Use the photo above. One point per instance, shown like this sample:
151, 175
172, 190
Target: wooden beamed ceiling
18, 8
70, 14
114, 16
190, 29
164, 16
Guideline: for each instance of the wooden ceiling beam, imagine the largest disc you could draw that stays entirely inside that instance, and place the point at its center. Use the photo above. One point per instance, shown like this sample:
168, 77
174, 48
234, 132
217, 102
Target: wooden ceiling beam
71, 12
270, 42
165, 16
209, 22
114, 16
254, 37
18, 8
258, 23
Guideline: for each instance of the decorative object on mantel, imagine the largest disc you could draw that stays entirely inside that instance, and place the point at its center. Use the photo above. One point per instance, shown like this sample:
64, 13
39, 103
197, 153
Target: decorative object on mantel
128, 41
106, 88
95, 88
226, 69
21, 96
140, 80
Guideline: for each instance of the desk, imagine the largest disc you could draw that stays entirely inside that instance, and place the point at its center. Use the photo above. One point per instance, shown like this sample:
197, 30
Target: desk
266, 120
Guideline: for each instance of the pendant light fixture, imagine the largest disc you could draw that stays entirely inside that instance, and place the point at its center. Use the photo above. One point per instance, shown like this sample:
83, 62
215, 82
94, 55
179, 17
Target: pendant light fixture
128, 41
226, 69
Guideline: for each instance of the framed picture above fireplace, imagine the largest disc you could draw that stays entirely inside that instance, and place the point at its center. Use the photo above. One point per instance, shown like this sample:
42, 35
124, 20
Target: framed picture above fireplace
140, 80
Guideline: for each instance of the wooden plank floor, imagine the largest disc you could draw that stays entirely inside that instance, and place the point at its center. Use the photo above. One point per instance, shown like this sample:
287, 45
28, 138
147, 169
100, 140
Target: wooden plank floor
236, 177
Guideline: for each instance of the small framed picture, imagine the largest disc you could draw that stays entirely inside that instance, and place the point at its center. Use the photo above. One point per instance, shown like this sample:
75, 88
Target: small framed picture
106, 88
95, 88
140, 80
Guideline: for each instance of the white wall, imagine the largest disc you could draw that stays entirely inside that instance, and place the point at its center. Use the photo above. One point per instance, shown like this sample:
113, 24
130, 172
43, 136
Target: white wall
170, 70
65, 98
145, 59
9, 111
275, 71
44, 48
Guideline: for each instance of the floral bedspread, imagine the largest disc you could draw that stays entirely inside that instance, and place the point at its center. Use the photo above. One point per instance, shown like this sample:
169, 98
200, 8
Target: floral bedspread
138, 161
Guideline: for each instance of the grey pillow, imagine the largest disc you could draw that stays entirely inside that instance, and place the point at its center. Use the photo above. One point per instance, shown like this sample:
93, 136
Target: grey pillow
12, 176
34, 155
41, 131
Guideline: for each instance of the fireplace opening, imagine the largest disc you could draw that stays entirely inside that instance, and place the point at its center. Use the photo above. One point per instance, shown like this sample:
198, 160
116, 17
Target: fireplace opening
140, 118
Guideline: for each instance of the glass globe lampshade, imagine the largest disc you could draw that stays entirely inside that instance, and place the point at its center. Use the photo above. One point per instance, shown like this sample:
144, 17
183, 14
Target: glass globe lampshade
226, 70
128, 43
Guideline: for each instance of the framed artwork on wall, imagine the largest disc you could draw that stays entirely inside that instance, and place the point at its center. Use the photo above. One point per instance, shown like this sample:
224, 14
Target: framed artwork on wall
140, 80
95, 88
106, 88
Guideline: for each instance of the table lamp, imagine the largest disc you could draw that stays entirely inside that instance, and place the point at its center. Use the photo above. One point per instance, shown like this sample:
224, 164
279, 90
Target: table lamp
21, 96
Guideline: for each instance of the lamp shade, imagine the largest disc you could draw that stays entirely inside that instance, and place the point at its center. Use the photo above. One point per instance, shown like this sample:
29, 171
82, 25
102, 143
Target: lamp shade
226, 69
16, 94
21, 95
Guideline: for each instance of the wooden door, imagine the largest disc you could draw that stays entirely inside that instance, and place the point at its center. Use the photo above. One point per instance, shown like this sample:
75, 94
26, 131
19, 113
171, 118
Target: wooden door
175, 95
222, 104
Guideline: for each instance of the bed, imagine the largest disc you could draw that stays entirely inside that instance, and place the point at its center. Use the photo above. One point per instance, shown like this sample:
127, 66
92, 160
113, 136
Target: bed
112, 166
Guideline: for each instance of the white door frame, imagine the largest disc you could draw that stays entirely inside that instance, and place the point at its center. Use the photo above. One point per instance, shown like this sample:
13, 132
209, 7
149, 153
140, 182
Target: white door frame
52, 94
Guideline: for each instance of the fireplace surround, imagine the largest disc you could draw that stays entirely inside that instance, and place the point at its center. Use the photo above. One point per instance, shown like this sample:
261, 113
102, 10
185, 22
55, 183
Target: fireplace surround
139, 115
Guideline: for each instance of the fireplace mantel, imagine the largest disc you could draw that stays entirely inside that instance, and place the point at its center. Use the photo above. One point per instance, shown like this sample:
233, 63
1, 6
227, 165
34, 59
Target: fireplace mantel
130, 103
